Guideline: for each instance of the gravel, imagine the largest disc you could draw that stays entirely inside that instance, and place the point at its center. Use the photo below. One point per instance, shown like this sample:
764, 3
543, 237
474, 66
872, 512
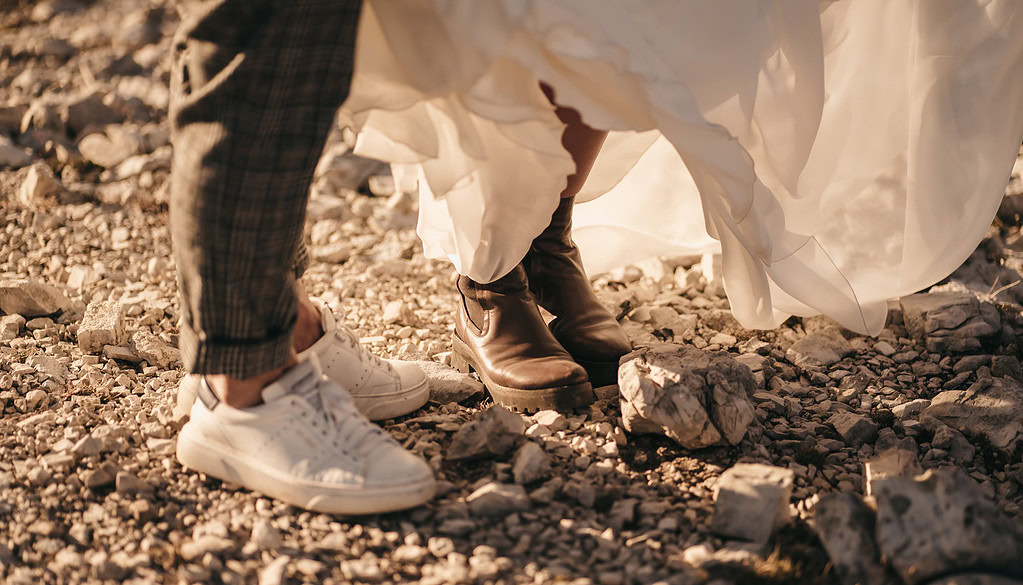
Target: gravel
90, 488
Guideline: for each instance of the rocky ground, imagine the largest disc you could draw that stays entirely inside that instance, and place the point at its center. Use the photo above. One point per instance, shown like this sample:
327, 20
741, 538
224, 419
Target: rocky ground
793, 456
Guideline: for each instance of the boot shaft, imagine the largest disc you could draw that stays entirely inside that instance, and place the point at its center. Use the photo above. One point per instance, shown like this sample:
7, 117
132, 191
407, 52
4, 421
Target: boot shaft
556, 277
559, 231
553, 262
478, 298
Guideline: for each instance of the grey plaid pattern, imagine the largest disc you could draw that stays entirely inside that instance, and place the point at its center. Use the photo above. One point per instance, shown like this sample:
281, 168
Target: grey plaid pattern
255, 88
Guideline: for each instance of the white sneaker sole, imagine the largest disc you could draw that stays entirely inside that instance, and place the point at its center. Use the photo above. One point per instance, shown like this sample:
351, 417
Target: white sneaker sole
378, 407
224, 463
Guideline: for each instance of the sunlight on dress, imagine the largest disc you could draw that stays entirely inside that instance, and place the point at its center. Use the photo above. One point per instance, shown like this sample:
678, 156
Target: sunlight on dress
837, 153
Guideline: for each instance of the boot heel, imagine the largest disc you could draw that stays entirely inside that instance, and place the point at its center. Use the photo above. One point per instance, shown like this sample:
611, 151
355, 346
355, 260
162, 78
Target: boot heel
459, 362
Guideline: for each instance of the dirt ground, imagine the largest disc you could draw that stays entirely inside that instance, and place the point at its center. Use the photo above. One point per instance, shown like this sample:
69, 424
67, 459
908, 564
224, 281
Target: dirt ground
90, 489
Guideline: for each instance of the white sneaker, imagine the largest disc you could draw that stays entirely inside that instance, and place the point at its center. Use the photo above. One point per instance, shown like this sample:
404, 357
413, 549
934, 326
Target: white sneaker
306, 445
381, 389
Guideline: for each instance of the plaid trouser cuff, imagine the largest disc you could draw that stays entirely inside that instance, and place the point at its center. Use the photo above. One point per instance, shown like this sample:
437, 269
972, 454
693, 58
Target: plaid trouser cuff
240, 358
255, 88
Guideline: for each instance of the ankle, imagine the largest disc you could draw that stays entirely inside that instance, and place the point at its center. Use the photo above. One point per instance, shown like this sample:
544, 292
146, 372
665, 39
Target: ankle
308, 326
246, 392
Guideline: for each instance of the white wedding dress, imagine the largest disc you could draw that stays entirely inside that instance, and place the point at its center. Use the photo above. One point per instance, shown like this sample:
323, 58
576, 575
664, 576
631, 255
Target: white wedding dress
837, 153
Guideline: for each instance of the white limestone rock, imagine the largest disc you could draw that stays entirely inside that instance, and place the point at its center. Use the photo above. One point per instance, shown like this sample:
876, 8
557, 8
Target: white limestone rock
696, 398
941, 522
448, 385
751, 500
103, 324
992, 408
30, 298
950, 321
845, 525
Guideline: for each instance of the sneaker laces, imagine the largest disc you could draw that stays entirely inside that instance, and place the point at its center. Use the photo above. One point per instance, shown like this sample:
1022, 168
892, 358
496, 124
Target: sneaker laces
334, 408
349, 338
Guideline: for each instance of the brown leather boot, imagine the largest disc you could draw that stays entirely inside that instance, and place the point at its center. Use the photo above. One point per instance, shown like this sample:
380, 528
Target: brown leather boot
500, 334
582, 325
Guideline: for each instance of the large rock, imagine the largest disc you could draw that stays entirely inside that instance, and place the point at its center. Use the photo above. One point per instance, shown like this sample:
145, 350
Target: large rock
1006, 365
940, 523
136, 165
153, 350
492, 432
698, 399
949, 321
30, 298
39, 183
265, 535
81, 277
991, 408
102, 325
820, 348
623, 513
448, 384
845, 526
751, 500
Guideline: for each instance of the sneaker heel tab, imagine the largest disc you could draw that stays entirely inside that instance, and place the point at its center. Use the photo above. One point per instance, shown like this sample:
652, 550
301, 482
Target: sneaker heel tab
327, 320
205, 393
298, 374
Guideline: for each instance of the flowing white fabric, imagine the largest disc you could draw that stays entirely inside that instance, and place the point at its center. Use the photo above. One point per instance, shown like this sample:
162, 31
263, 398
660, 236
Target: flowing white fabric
839, 153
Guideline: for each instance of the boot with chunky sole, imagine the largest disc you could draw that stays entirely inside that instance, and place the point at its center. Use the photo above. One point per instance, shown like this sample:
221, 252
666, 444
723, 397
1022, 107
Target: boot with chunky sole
500, 334
582, 325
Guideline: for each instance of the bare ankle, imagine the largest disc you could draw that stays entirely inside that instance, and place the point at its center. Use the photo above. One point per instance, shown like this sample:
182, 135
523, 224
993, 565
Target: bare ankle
246, 392
308, 326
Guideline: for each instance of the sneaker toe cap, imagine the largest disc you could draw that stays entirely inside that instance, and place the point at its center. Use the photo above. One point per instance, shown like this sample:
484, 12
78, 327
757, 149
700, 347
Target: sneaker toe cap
397, 467
410, 375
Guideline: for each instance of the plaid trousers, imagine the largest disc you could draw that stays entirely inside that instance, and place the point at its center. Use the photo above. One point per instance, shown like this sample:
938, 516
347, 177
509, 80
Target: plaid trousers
255, 88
